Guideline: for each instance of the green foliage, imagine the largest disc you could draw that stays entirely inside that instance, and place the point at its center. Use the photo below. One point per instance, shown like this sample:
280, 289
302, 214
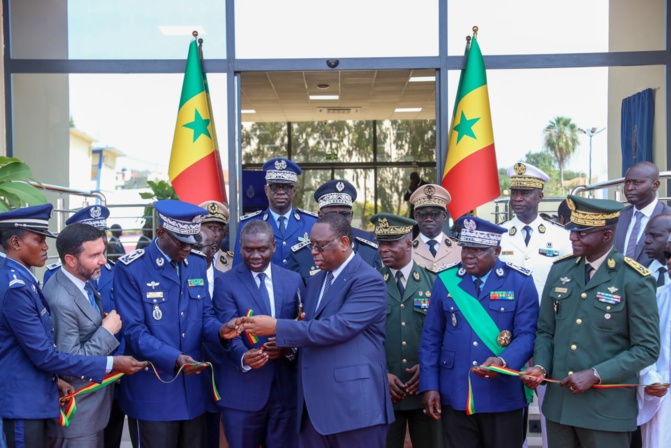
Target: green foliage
14, 191
561, 139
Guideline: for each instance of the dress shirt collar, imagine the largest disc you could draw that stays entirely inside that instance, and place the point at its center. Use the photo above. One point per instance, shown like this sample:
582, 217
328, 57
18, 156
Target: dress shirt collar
405, 270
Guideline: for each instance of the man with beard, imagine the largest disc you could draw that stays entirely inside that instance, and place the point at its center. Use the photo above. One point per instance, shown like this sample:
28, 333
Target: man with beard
640, 187
79, 326
483, 313
290, 225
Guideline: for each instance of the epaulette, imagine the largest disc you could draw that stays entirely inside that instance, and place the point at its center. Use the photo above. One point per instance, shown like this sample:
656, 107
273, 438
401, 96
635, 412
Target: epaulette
111, 263
197, 252
565, 257
53, 266
250, 215
307, 212
365, 241
524, 271
296, 247
128, 259
545, 218
16, 282
637, 266
441, 268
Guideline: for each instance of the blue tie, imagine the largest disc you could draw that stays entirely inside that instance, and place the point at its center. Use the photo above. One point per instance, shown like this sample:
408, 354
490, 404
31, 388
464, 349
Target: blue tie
264, 291
92, 297
283, 226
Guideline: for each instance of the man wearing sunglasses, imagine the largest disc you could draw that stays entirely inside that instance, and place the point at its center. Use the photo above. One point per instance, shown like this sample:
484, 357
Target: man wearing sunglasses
432, 249
290, 225
335, 196
598, 324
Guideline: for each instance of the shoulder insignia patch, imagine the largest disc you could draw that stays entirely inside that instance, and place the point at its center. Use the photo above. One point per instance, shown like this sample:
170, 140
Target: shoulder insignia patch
565, 257
307, 212
131, 257
197, 252
524, 271
16, 282
299, 246
637, 266
441, 268
547, 219
365, 241
53, 266
251, 215
110, 264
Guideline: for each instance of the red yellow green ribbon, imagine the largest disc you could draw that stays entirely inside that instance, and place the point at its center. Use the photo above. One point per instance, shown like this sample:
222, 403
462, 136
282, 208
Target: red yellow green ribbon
70, 408
251, 338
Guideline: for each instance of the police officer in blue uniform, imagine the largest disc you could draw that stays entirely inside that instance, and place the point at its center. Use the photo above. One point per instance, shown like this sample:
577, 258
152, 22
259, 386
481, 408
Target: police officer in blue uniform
335, 196
483, 312
30, 359
290, 225
162, 293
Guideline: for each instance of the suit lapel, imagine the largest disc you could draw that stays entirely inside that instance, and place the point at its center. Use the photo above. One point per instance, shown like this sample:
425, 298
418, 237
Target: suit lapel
81, 301
411, 285
278, 291
338, 284
314, 287
392, 290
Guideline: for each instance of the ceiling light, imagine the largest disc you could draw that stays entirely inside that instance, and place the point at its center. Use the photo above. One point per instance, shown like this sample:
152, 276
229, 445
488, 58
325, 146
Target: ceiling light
248, 111
185, 30
323, 86
408, 109
324, 97
423, 79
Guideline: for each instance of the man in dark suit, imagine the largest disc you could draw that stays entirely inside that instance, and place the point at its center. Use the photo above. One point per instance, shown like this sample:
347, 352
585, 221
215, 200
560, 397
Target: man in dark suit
79, 326
343, 391
258, 404
640, 187
598, 324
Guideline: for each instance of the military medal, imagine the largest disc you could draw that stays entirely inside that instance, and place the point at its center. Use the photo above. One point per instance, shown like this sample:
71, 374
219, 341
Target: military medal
504, 338
157, 314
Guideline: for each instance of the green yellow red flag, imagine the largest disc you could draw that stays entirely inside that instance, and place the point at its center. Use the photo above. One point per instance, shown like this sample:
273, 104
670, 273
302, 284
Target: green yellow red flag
471, 174
195, 165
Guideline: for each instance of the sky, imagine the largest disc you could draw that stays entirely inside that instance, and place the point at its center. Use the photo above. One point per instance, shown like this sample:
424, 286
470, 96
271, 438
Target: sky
137, 113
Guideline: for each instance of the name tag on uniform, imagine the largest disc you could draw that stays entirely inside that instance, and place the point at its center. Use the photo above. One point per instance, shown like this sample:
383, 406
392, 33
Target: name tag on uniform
548, 252
196, 282
421, 302
155, 294
507, 252
561, 290
502, 295
608, 298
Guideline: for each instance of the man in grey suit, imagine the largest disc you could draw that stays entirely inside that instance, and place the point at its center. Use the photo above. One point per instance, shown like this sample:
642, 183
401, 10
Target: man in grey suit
640, 187
80, 328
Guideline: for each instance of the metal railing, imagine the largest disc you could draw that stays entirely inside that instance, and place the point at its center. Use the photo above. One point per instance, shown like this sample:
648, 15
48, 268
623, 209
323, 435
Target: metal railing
616, 183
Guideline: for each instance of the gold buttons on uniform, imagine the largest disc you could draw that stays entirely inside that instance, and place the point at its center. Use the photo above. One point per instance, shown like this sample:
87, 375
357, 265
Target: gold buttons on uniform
574, 347
578, 321
583, 295
608, 308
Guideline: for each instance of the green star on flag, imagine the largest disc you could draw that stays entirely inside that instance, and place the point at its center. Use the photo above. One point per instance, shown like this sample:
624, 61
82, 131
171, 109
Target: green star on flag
465, 127
199, 126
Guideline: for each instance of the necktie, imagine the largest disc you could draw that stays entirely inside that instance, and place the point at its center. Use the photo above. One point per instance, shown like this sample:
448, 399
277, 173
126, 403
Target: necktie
478, 284
633, 237
91, 296
661, 275
527, 230
399, 282
327, 285
588, 271
264, 291
283, 226
432, 246
175, 265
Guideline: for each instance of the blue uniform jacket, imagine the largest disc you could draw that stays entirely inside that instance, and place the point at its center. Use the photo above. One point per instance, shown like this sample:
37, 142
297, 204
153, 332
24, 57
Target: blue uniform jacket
163, 317
299, 227
235, 293
28, 355
364, 245
450, 347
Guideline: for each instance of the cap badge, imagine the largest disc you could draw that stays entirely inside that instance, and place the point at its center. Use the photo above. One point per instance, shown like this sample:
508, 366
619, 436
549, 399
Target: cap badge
470, 224
520, 168
212, 208
340, 186
429, 190
96, 212
280, 165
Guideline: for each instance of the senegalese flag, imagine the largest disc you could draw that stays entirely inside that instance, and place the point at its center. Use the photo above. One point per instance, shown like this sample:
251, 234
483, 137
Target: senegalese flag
195, 166
471, 174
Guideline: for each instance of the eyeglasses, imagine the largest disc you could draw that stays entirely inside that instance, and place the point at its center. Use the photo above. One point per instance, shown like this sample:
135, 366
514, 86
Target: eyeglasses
344, 213
433, 214
321, 247
584, 234
180, 244
284, 187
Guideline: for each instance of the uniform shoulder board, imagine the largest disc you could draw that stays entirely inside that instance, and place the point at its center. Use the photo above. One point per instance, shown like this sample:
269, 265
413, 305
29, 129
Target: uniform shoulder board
565, 257
524, 271
197, 252
128, 259
299, 246
300, 210
16, 282
442, 268
110, 264
53, 266
547, 219
367, 242
250, 215
637, 266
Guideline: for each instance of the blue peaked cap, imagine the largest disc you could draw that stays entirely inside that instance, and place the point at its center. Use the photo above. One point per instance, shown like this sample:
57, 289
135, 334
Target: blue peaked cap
34, 218
281, 171
181, 219
476, 232
335, 192
93, 215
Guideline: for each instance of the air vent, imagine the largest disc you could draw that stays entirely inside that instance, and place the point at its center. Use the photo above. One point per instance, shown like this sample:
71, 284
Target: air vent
338, 110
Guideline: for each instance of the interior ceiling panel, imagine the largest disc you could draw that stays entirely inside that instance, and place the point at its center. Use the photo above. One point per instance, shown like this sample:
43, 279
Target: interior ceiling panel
363, 95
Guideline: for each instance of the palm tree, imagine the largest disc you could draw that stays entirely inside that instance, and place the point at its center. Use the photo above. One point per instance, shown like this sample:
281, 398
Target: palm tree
561, 139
